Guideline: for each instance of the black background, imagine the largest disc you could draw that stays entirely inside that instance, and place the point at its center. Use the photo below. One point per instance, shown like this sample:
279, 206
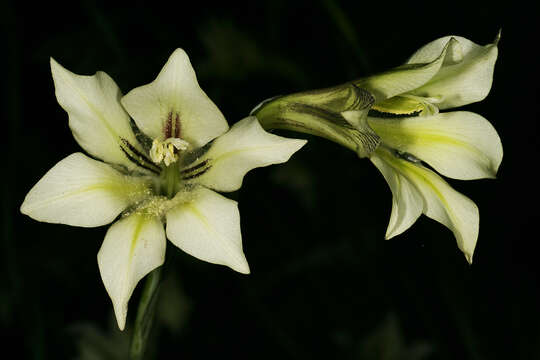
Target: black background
324, 282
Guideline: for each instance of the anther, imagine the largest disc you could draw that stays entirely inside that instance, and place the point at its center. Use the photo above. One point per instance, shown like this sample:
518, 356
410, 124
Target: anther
167, 129
407, 156
177, 126
167, 150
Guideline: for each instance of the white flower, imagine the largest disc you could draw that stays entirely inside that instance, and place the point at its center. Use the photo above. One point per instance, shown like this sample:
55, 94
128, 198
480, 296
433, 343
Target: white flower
394, 119
170, 178
446, 73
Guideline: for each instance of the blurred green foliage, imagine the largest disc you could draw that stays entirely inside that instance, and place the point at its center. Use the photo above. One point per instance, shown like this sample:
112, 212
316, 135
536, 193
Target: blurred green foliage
324, 283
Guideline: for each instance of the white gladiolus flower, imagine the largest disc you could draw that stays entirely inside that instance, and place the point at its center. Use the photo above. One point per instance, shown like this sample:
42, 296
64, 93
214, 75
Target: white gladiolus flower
394, 118
446, 73
169, 179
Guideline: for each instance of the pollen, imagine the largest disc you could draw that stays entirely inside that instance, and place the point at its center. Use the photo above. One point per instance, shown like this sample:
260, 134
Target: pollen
168, 150
158, 206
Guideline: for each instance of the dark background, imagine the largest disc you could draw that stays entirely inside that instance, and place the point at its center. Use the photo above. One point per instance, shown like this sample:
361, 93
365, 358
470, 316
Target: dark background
324, 282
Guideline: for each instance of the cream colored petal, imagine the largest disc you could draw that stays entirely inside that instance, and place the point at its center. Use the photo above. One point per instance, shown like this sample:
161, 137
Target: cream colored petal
133, 247
244, 147
441, 202
207, 226
431, 51
175, 94
97, 119
407, 202
80, 191
461, 145
402, 79
465, 77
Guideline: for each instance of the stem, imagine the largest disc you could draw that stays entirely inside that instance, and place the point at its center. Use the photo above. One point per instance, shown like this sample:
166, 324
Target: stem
145, 315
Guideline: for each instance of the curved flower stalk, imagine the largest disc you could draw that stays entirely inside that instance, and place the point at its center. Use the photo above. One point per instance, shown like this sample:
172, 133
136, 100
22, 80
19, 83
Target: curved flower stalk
167, 172
394, 119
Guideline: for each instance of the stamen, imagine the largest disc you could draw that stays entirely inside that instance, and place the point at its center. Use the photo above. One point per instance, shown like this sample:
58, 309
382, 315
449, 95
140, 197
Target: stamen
196, 170
167, 129
196, 174
156, 152
407, 156
172, 125
177, 126
178, 143
167, 150
169, 155
136, 156
193, 168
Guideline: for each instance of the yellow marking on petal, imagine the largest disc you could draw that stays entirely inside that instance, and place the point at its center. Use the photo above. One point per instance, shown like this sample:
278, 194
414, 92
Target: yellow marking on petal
135, 191
204, 221
404, 138
406, 104
404, 166
134, 237
399, 105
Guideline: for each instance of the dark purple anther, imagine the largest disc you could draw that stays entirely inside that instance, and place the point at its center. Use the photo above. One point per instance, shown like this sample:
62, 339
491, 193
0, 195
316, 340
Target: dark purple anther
177, 127
172, 128
168, 126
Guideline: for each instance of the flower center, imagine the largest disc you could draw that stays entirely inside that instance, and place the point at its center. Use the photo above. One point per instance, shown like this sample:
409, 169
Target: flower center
167, 150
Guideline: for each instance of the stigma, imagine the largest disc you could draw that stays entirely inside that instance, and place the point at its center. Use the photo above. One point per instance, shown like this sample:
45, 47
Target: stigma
167, 150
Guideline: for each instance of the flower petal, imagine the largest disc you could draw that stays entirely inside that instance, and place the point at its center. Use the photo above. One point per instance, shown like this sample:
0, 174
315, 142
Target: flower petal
461, 145
175, 94
407, 202
402, 79
465, 77
244, 147
441, 202
207, 226
97, 119
133, 247
80, 191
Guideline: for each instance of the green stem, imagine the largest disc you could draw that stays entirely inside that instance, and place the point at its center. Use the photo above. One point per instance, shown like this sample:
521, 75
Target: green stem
145, 315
